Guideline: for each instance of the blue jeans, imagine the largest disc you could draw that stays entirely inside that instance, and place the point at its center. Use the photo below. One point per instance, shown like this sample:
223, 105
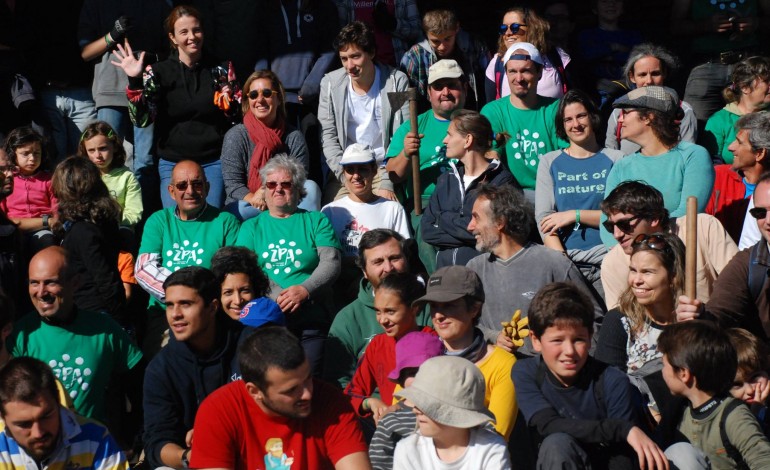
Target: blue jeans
213, 172
69, 111
311, 202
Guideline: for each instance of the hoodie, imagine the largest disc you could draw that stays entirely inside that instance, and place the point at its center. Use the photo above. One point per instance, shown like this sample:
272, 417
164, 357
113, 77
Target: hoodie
177, 380
445, 221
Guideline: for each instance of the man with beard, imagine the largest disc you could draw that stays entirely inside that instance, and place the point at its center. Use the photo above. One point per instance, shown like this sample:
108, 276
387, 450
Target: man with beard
40, 433
527, 117
447, 90
278, 414
512, 269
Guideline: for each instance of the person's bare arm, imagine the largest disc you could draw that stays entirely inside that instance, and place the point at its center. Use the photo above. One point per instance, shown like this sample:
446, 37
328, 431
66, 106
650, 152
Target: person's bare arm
355, 461
171, 455
31, 224
95, 49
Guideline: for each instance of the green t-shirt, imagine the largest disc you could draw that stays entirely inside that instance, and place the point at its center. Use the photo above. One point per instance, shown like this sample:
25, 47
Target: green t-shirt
433, 161
533, 133
183, 243
287, 252
84, 355
286, 248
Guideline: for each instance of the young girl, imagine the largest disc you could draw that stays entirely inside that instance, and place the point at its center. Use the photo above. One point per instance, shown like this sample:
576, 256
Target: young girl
751, 382
88, 224
393, 303
100, 144
32, 202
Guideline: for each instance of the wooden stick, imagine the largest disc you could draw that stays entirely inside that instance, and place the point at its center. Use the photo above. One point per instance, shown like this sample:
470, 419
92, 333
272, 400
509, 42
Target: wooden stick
415, 159
691, 245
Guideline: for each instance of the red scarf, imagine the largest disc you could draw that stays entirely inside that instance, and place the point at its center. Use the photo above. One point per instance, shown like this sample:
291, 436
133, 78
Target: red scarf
267, 142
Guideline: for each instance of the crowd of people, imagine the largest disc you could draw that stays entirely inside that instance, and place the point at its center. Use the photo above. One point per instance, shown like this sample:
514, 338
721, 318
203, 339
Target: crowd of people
362, 236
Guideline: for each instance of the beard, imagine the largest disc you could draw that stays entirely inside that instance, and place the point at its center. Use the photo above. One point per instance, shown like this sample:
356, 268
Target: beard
34, 448
295, 411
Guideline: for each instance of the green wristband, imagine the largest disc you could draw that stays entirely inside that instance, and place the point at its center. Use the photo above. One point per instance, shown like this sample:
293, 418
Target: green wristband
109, 41
577, 219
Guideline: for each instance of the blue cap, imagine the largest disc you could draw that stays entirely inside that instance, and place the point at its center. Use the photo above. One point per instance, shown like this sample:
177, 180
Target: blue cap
260, 311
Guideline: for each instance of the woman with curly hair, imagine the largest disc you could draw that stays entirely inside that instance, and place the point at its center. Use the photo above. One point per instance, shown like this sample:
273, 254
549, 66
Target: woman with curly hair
521, 24
87, 221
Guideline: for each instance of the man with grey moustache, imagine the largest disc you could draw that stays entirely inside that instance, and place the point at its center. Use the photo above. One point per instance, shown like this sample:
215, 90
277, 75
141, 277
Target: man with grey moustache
512, 269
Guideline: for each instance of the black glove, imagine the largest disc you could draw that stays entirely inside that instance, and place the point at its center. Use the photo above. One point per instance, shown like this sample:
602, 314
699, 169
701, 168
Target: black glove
119, 30
382, 17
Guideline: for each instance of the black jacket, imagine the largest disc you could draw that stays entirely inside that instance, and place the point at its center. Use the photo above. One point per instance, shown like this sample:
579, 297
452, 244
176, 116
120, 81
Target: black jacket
445, 221
177, 381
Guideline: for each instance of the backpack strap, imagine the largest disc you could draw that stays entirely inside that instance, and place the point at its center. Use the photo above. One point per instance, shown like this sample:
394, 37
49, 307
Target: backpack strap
730, 449
757, 273
555, 58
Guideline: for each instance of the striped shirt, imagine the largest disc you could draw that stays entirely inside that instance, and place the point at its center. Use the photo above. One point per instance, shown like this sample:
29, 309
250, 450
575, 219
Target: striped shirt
392, 428
84, 444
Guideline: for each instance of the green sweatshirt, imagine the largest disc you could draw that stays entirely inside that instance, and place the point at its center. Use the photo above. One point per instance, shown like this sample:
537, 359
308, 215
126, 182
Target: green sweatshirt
720, 132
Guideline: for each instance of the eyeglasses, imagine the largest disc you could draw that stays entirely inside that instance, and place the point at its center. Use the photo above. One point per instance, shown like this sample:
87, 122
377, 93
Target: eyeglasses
452, 84
626, 111
266, 92
197, 185
624, 226
758, 213
656, 242
274, 184
514, 27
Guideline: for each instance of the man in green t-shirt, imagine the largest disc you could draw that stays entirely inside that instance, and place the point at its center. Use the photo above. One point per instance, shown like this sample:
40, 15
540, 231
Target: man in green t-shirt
447, 89
187, 234
86, 350
529, 119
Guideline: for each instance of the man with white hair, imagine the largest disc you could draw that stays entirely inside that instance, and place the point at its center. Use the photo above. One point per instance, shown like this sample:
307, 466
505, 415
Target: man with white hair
526, 116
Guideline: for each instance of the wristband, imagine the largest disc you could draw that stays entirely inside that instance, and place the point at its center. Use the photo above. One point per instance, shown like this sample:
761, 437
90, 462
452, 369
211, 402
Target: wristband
365, 404
186, 458
45, 221
108, 40
577, 219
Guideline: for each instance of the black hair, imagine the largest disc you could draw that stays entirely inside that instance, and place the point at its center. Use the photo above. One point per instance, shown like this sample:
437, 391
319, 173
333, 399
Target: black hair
580, 97
239, 259
407, 285
703, 348
560, 304
356, 33
374, 238
271, 346
21, 136
637, 198
200, 279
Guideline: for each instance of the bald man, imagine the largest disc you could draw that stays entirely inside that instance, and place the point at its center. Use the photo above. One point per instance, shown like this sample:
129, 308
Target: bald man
85, 349
187, 234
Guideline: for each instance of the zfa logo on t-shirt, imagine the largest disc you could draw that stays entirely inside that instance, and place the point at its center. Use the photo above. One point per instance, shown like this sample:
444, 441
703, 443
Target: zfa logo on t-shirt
186, 254
282, 256
73, 373
527, 145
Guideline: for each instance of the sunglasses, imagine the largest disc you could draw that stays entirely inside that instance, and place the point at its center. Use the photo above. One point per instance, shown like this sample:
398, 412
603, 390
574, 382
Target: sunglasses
624, 226
452, 84
514, 27
266, 92
274, 184
758, 213
627, 111
197, 185
656, 242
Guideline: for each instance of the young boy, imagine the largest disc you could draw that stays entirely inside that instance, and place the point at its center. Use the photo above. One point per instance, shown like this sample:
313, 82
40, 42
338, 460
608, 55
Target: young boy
581, 409
751, 378
445, 40
699, 364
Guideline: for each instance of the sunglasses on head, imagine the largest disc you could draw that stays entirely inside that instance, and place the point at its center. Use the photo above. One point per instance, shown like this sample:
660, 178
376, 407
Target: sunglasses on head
624, 226
274, 184
656, 242
197, 185
266, 92
758, 213
514, 27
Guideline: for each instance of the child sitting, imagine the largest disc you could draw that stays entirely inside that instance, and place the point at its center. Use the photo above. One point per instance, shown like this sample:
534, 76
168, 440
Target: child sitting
699, 364
582, 410
447, 395
411, 351
751, 381
32, 202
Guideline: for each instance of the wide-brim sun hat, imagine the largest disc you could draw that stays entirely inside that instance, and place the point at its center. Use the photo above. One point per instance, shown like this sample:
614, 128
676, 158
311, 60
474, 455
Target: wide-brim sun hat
450, 390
